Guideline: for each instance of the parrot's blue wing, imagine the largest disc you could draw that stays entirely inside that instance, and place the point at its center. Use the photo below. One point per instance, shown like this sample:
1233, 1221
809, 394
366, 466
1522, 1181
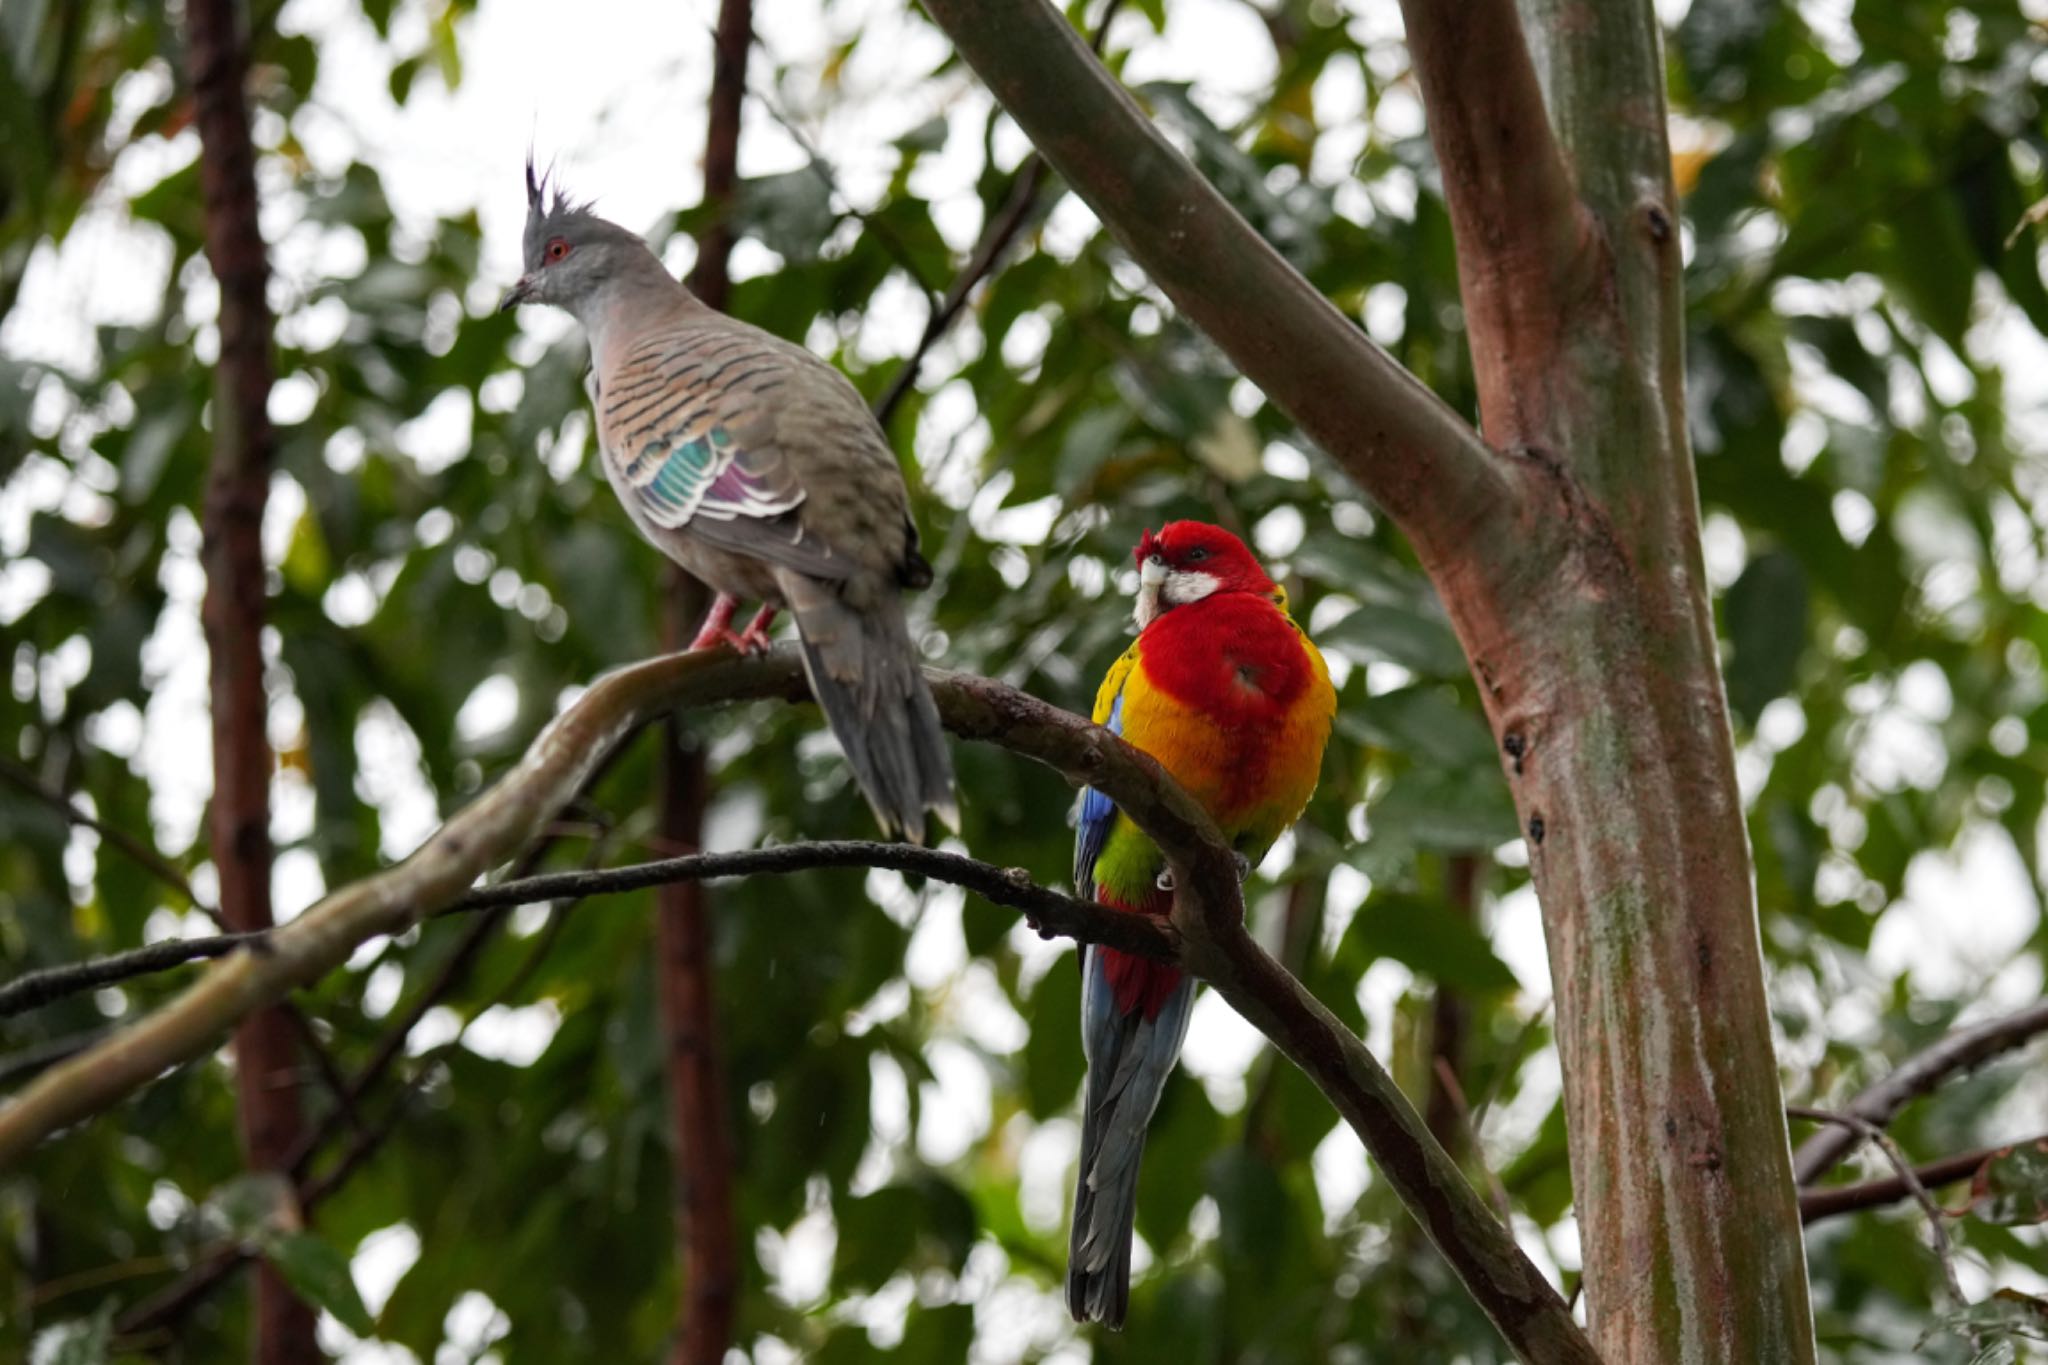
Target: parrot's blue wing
1098, 813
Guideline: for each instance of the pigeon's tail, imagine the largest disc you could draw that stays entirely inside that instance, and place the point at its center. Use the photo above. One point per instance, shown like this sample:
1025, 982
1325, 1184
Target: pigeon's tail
1129, 1058
864, 672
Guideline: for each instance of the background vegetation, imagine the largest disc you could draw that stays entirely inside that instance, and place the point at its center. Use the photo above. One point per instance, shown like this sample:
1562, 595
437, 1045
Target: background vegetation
1865, 365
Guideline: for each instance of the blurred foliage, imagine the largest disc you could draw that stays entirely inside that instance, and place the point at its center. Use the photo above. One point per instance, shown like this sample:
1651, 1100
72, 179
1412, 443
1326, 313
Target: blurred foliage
1865, 394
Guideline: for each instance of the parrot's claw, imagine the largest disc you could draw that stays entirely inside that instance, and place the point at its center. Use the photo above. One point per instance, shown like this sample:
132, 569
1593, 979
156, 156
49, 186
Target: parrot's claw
1244, 868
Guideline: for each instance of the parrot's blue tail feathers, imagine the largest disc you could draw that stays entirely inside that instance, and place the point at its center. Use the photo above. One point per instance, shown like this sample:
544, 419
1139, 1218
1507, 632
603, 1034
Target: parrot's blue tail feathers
1129, 1059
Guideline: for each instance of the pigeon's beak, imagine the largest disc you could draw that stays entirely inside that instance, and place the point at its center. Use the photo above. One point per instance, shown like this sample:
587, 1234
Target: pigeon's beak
517, 294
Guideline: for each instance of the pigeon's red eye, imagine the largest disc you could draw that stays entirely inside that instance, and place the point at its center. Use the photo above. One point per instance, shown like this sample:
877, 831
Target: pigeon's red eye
557, 249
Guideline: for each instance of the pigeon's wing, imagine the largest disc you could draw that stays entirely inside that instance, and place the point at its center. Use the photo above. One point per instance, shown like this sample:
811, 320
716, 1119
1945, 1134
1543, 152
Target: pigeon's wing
688, 417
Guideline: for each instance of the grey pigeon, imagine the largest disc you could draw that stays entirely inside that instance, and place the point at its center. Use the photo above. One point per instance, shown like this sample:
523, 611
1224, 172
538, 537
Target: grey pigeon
756, 466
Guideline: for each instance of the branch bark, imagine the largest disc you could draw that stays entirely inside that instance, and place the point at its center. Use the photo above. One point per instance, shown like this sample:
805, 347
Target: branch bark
1208, 915
1401, 442
266, 1051
1878, 1104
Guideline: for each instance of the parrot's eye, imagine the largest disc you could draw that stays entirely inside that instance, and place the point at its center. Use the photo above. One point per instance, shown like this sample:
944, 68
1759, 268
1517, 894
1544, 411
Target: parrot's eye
557, 249
1198, 554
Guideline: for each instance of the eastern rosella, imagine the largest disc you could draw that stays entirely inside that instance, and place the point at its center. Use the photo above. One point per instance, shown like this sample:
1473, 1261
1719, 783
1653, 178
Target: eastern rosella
1224, 689
758, 468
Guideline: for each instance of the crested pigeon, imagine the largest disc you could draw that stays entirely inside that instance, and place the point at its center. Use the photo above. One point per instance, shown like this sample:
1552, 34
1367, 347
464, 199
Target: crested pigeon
756, 466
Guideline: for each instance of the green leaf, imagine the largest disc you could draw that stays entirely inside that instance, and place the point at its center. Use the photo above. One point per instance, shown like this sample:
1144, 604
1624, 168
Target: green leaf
2007, 1311
1428, 936
937, 1336
1256, 1213
1052, 1055
81, 1341
252, 1204
1426, 723
790, 213
2011, 1189
1418, 641
1453, 809
319, 1274
1766, 611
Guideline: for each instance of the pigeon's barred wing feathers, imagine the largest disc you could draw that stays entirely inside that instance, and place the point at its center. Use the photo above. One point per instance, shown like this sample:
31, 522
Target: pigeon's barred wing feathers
688, 418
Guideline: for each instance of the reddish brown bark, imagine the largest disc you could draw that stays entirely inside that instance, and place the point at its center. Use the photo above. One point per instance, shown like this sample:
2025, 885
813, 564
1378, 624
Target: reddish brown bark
1593, 643
266, 1051
705, 1247
706, 1244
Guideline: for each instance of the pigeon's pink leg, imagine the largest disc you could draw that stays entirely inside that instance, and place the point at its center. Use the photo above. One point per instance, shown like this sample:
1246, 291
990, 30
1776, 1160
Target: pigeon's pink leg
754, 639
717, 627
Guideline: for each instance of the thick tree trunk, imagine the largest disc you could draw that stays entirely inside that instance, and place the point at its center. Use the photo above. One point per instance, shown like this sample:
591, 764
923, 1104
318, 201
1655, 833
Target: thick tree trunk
266, 1053
706, 1245
1598, 667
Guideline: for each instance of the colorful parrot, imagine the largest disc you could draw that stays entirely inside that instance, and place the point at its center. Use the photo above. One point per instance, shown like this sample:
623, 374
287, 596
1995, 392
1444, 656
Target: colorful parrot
758, 468
1224, 689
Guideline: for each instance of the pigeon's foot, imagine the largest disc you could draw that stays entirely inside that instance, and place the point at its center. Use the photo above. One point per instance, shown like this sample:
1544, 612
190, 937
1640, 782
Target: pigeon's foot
717, 627
754, 639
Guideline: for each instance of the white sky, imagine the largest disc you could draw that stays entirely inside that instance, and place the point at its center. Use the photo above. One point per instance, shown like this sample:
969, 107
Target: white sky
615, 90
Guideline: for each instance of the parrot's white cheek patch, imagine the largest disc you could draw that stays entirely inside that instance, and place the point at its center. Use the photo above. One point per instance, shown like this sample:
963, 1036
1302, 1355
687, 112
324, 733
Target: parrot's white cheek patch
1159, 590
1185, 585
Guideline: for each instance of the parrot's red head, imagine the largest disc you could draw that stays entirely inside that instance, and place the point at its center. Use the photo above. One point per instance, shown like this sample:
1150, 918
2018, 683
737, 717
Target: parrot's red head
1186, 561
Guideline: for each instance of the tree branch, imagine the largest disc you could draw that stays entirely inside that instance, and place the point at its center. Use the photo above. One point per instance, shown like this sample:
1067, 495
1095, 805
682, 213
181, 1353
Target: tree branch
1514, 214
1878, 1104
1207, 913
1831, 1200
1399, 441
1869, 1131
1052, 913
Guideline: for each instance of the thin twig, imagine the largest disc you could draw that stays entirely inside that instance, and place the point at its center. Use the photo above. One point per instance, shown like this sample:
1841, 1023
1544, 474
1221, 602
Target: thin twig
820, 167
1877, 1104
33, 989
47, 1053
1019, 206
1447, 1076
1510, 1063
1050, 912
141, 854
1869, 1131
1831, 1200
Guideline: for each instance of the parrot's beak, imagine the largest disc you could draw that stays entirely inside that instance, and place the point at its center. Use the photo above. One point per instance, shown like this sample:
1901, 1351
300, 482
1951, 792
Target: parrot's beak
1152, 571
517, 294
